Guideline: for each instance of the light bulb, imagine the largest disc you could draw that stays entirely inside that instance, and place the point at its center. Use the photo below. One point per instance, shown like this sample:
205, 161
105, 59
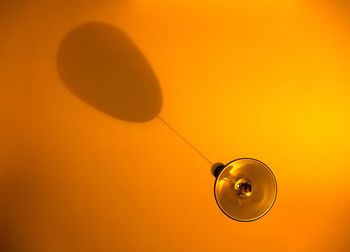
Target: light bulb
245, 189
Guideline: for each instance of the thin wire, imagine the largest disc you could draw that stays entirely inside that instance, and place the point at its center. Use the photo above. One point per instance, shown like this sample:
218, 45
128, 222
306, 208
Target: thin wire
185, 140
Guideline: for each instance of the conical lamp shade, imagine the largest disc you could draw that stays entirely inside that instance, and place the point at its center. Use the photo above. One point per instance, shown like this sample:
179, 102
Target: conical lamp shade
245, 189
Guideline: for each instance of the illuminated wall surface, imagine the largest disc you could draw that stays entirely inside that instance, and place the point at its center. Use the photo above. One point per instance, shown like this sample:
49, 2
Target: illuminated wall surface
263, 79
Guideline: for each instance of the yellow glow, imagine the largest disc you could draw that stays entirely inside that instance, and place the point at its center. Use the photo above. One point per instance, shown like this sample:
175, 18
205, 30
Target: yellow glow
239, 78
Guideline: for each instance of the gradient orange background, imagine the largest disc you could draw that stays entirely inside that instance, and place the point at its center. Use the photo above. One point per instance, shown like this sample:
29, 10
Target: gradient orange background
262, 79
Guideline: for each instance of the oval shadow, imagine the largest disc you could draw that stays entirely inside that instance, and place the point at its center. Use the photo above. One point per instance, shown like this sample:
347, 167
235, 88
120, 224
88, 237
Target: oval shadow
102, 66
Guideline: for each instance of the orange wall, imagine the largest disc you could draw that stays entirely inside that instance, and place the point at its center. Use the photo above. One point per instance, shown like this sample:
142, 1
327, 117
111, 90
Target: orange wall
262, 79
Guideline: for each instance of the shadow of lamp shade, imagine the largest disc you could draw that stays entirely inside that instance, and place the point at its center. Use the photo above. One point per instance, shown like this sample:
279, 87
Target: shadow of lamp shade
102, 66
245, 189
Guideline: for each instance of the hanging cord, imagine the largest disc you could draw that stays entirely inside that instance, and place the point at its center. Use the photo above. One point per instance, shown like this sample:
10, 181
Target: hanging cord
185, 140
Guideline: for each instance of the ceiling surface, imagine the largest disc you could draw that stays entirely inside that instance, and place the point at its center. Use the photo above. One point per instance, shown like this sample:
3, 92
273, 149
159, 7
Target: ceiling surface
88, 163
